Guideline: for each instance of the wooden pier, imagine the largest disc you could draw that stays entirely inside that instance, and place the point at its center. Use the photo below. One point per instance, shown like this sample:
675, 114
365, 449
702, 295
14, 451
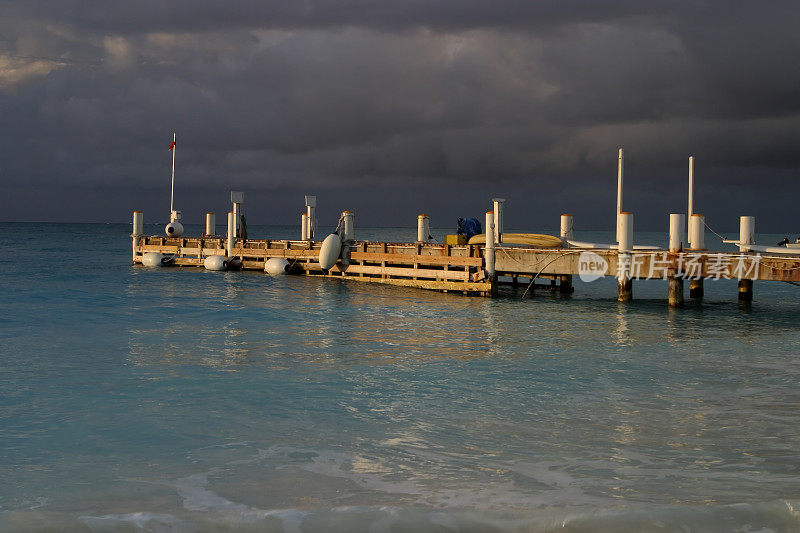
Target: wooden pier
463, 268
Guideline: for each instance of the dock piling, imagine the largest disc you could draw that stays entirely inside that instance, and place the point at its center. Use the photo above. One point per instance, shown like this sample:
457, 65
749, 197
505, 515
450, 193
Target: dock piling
211, 224
423, 228
138, 231
489, 258
304, 227
231, 233
566, 227
677, 225
624, 274
497, 204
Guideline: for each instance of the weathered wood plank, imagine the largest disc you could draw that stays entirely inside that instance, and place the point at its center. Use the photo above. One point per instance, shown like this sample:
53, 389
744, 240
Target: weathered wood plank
459, 275
416, 258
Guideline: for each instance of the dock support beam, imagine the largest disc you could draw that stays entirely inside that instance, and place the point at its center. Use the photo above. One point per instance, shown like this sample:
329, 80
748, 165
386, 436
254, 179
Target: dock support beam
746, 290
696, 289
624, 273
677, 234
675, 290
565, 285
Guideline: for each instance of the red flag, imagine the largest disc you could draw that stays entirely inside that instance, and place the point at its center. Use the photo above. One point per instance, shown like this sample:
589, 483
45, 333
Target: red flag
171, 146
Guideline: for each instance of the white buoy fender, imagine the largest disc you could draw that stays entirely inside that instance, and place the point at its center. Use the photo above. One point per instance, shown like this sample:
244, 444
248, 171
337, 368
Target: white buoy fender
152, 259
330, 251
174, 229
276, 266
215, 262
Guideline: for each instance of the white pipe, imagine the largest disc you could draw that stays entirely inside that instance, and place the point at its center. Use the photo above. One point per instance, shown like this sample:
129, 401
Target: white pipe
304, 227
489, 249
138, 231
348, 229
691, 187
566, 227
620, 166
423, 228
236, 218
625, 232
747, 230
312, 222
231, 232
697, 232
174, 149
498, 219
211, 224
677, 225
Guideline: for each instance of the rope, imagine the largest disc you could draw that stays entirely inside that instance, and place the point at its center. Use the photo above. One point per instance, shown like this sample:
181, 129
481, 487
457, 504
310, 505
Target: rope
533, 279
712, 231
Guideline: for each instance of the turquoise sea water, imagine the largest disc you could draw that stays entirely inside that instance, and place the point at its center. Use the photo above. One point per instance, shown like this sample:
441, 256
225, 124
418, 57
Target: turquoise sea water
175, 399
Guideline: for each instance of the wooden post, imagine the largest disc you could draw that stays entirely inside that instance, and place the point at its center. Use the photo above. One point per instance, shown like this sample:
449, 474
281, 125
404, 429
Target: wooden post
565, 285
675, 290
745, 290
696, 290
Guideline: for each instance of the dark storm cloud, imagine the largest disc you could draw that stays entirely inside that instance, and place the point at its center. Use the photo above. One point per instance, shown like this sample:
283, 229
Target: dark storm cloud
424, 96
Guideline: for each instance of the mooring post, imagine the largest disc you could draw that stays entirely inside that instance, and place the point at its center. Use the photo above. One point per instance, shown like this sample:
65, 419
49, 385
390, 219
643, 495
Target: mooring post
677, 232
138, 231
491, 274
423, 228
697, 242
211, 224
566, 234
620, 168
304, 227
624, 256
237, 199
231, 233
747, 235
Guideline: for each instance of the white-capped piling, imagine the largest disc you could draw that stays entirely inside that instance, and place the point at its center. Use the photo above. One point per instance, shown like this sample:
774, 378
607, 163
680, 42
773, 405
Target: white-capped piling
567, 226
497, 204
747, 230
231, 233
620, 165
489, 251
304, 227
311, 207
566, 234
747, 235
423, 228
677, 232
677, 225
348, 227
138, 231
697, 241
625, 248
211, 224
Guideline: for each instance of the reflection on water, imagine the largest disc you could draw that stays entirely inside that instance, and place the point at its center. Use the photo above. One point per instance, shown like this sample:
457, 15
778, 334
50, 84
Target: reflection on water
180, 398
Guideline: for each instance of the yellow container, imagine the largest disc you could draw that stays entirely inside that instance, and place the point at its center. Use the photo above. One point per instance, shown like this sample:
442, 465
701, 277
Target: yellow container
455, 239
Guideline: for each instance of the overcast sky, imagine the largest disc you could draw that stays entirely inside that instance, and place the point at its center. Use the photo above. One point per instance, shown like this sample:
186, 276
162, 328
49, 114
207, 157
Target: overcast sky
393, 108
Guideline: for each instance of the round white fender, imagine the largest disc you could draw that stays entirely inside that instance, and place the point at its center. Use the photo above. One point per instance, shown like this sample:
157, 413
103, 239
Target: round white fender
329, 253
215, 262
276, 266
174, 229
152, 259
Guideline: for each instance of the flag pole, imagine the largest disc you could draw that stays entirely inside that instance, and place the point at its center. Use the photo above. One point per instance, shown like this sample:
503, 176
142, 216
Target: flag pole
172, 190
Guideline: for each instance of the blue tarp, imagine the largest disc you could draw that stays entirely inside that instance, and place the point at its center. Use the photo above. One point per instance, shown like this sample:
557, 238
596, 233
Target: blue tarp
469, 227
